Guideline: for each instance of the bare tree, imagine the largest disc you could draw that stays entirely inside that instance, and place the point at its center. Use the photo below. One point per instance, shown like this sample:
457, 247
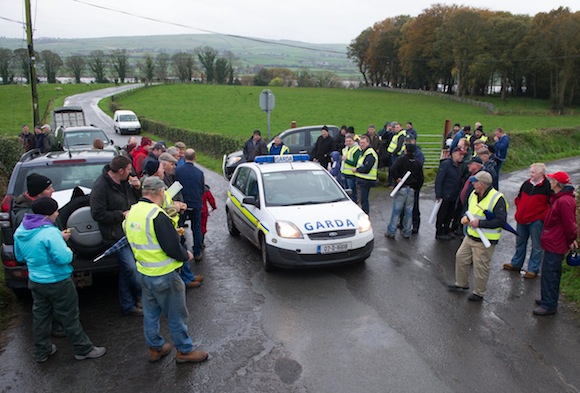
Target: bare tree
76, 64
161, 66
6, 66
51, 62
98, 65
120, 63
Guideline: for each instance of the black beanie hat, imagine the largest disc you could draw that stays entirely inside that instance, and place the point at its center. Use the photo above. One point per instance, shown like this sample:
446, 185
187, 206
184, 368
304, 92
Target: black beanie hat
36, 183
44, 206
151, 167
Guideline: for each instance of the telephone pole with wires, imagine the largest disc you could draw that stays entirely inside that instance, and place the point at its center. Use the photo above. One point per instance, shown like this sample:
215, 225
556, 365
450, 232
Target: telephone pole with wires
31, 63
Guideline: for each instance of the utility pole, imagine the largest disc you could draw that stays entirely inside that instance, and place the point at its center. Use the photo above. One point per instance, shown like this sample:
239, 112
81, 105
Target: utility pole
31, 63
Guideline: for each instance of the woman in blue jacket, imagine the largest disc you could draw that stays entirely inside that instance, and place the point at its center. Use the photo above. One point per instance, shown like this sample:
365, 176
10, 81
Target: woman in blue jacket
41, 245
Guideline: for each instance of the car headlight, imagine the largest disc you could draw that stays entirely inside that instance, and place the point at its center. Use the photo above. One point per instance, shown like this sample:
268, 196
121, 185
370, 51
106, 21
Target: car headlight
288, 230
232, 160
364, 223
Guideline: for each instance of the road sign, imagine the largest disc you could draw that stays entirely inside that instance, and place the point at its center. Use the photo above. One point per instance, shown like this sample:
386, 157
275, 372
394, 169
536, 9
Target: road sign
267, 100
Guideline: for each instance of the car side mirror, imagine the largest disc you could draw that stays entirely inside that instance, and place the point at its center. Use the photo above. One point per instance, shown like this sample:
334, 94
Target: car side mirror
250, 200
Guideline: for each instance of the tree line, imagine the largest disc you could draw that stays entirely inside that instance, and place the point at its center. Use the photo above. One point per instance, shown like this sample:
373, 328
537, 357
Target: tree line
204, 64
467, 51
210, 67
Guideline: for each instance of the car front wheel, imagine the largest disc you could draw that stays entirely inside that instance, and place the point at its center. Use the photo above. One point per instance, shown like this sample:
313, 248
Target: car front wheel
231, 226
266, 262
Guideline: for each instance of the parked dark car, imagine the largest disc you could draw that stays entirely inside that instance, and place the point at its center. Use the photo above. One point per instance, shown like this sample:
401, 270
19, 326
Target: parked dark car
298, 140
72, 174
81, 138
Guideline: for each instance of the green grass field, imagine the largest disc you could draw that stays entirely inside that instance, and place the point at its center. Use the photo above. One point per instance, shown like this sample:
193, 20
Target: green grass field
17, 102
235, 110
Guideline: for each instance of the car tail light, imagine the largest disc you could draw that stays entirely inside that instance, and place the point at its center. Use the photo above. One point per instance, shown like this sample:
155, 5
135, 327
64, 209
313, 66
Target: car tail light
6, 202
10, 263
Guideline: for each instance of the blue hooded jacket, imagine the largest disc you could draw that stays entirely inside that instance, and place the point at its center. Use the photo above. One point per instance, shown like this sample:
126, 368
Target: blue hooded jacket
39, 243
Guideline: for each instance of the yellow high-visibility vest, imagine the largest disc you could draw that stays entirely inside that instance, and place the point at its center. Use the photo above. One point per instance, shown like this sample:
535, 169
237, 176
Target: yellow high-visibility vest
350, 152
139, 228
476, 208
372, 175
395, 141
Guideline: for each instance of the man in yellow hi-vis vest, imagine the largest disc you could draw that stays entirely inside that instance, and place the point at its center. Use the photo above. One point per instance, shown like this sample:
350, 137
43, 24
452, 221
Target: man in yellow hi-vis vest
159, 255
472, 250
366, 171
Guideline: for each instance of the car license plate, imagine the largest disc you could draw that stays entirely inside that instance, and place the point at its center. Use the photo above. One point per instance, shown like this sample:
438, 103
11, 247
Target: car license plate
333, 248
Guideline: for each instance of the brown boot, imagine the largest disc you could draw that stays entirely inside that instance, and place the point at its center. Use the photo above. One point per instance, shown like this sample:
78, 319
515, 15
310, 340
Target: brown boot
156, 354
191, 357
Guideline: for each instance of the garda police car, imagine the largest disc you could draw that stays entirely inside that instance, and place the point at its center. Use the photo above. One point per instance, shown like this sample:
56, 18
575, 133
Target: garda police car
296, 214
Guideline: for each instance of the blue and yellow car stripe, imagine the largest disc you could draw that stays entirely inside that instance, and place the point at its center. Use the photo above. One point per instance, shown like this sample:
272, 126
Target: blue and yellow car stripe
253, 219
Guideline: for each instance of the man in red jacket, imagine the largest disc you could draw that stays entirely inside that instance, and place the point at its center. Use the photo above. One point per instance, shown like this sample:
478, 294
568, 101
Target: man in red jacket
558, 236
531, 209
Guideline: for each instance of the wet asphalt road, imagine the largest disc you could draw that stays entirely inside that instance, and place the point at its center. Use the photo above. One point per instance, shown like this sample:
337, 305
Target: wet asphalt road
388, 325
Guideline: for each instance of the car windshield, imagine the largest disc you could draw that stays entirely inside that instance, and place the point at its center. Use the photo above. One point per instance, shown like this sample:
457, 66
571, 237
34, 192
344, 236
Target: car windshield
63, 176
302, 187
75, 138
127, 118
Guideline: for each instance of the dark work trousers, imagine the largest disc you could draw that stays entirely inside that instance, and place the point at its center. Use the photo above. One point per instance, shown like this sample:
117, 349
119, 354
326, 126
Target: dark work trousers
62, 299
444, 217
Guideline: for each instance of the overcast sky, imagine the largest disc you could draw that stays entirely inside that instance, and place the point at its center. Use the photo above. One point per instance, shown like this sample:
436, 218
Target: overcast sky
314, 21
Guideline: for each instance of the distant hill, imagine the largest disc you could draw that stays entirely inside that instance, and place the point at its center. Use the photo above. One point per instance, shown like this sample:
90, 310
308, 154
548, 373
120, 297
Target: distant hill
251, 52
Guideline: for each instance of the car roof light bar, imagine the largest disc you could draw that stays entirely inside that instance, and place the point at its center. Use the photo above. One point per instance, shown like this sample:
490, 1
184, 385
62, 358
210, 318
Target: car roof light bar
282, 158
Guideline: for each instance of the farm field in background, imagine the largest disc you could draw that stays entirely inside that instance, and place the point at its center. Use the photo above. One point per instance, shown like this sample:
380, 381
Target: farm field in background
235, 110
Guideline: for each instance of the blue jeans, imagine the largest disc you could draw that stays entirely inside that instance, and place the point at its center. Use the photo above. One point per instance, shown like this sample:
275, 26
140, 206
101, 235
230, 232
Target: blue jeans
533, 230
129, 288
403, 201
194, 215
365, 189
165, 295
186, 274
350, 182
551, 275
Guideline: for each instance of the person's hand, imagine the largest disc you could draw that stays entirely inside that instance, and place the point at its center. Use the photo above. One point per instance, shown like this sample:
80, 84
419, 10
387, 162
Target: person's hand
574, 245
134, 181
125, 213
474, 223
189, 256
464, 220
66, 234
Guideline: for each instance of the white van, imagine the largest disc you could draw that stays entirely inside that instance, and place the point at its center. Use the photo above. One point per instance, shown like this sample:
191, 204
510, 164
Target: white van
126, 122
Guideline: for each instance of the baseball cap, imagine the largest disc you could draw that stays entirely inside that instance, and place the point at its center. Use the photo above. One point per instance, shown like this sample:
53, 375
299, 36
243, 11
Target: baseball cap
482, 176
475, 159
560, 177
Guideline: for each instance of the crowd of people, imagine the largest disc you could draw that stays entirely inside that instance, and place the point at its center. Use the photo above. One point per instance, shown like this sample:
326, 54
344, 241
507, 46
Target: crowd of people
129, 200
42, 139
469, 204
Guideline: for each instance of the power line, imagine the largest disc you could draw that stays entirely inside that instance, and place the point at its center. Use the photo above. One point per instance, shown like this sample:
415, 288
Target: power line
210, 31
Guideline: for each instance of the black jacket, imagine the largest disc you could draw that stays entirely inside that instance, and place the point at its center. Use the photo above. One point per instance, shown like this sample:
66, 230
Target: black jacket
408, 163
251, 151
108, 202
447, 181
323, 148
